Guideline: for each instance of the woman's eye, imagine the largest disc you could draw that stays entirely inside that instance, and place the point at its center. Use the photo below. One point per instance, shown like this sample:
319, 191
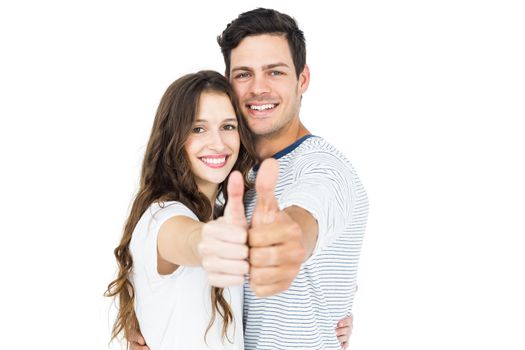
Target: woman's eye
230, 127
198, 130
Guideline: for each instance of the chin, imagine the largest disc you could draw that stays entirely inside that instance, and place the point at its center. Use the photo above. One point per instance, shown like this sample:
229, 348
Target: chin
265, 132
219, 179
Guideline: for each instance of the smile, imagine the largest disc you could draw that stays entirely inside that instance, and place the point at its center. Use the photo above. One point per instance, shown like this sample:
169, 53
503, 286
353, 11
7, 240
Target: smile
262, 107
215, 161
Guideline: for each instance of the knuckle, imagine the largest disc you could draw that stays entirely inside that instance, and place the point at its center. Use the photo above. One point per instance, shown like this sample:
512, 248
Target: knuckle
301, 253
255, 276
266, 257
253, 238
263, 276
206, 264
296, 253
212, 279
262, 291
285, 253
254, 256
255, 279
240, 233
254, 287
244, 252
280, 287
237, 280
293, 229
291, 273
277, 253
219, 281
244, 267
234, 267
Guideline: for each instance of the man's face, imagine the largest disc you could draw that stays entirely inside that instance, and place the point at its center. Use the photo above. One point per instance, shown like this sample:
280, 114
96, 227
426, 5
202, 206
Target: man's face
262, 74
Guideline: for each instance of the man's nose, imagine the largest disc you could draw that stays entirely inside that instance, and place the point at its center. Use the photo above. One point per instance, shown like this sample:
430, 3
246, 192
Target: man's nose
259, 85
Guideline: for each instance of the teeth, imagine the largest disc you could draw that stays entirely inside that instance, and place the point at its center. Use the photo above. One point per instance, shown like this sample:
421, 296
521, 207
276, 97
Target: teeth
262, 107
214, 160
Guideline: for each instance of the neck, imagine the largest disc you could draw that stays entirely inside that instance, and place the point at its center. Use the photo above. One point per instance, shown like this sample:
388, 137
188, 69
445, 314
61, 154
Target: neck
210, 191
267, 145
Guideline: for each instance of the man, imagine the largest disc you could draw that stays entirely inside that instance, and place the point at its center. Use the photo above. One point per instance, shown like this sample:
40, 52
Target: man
308, 211
305, 239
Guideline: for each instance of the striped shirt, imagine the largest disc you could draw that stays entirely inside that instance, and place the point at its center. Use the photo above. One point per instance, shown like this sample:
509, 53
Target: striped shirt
317, 177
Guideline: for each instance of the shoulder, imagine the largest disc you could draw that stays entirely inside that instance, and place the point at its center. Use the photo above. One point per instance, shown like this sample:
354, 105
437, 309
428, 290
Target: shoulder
161, 211
158, 213
154, 217
317, 153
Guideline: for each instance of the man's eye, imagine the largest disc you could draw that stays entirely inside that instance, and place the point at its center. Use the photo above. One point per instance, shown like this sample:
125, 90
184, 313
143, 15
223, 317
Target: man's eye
198, 130
242, 75
276, 72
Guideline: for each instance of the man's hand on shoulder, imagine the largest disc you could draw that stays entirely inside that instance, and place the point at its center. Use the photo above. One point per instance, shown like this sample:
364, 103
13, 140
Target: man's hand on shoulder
343, 330
137, 342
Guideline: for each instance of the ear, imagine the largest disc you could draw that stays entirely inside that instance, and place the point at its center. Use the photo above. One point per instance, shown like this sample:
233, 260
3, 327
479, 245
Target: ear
304, 79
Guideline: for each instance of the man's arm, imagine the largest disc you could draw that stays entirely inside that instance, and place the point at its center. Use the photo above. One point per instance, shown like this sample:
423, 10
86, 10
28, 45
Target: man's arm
316, 212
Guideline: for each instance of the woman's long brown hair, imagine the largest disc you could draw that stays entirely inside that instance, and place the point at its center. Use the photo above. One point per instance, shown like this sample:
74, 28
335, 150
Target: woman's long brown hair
166, 176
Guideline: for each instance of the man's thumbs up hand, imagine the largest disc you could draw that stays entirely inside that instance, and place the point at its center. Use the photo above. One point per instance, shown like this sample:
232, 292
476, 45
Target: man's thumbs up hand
275, 239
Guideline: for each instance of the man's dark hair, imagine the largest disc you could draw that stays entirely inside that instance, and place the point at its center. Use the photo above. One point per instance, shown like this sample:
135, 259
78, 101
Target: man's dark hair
264, 21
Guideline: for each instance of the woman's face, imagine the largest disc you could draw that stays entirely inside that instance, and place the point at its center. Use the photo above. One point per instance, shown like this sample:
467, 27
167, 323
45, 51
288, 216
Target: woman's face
213, 144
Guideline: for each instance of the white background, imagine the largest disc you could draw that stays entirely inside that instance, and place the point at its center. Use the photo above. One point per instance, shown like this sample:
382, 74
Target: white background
426, 99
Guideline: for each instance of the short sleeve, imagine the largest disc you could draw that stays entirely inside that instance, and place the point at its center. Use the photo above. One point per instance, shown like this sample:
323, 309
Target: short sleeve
322, 185
144, 240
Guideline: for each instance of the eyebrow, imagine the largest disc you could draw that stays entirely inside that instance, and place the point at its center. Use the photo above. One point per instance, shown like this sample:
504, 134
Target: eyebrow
265, 67
229, 120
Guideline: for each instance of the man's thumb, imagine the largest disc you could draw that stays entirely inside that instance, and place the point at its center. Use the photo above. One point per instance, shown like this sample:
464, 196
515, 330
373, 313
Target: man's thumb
234, 210
265, 183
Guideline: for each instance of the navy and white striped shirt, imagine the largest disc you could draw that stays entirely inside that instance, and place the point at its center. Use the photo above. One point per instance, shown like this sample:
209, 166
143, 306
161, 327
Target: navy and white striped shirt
317, 177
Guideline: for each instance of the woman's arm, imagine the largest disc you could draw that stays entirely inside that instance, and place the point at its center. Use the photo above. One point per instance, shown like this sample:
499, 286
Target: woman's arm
177, 244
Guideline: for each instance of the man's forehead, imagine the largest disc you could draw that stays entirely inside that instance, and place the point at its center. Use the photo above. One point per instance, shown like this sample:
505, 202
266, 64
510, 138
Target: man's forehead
258, 51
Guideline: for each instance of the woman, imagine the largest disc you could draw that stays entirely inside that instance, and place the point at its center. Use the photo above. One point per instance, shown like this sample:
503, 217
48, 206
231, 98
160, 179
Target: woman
197, 139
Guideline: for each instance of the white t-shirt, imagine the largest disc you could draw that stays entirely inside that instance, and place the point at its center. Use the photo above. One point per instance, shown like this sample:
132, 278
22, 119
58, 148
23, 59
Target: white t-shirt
174, 310
317, 177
